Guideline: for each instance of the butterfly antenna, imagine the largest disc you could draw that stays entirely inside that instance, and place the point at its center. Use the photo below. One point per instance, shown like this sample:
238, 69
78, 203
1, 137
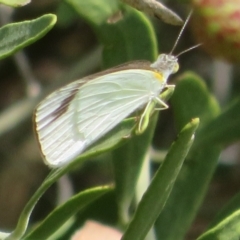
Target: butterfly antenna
180, 34
189, 49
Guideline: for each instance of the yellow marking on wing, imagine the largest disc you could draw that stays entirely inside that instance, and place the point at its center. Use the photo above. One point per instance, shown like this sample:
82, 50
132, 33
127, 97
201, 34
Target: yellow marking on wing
159, 76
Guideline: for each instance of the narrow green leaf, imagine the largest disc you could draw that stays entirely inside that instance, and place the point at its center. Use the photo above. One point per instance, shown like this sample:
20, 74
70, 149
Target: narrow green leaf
16, 36
127, 162
187, 194
103, 209
190, 99
111, 140
15, 3
157, 194
62, 213
228, 229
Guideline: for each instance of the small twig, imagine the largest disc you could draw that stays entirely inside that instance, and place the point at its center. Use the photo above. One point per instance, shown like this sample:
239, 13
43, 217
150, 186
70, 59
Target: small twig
33, 87
65, 189
156, 9
222, 76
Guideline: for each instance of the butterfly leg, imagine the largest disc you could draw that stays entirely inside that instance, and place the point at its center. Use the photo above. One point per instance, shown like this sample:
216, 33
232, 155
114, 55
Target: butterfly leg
151, 106
167, 93
162, 104
144, 118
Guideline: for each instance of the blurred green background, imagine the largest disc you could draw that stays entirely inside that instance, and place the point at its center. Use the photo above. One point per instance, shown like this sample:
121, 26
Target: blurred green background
72, 50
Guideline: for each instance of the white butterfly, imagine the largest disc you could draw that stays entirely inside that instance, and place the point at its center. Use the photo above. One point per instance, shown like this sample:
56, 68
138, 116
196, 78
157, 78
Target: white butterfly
72, 118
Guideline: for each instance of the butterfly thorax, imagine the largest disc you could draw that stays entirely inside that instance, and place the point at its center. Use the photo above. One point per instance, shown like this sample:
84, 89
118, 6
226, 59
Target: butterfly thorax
166, 64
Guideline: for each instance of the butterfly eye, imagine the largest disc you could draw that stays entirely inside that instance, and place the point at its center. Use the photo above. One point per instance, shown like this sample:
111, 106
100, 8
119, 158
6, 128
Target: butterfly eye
175, 68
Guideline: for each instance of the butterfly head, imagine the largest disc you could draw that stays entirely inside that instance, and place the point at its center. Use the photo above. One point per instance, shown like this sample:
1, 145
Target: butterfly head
166, 64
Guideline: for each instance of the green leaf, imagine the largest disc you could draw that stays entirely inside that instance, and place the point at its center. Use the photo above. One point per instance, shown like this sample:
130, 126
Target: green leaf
223, 130
228, 229
66, 15
95, 12
61, 214
16, 36
131, 38
15, 3
190, 99
155, 197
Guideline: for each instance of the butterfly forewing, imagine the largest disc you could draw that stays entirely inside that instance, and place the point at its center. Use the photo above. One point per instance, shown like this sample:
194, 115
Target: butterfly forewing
77, 115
